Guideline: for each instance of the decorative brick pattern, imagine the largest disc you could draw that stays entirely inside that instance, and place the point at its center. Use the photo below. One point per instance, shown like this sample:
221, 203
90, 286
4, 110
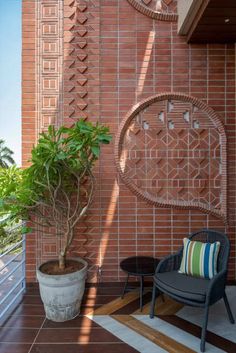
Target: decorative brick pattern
130, 56
82, 100
49, 61
163, 10
75, 59
171, 152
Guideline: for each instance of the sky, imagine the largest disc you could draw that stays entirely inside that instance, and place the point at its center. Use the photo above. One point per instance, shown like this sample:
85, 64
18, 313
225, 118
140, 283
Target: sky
10, 75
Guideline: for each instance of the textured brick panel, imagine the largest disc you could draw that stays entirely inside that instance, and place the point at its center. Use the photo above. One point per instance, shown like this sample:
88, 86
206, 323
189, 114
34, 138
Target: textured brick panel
171, 151
82, 100
76, 19
49, 63
49, 100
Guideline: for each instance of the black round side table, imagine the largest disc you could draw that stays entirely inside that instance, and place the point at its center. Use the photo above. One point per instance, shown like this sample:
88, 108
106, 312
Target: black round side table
140, 266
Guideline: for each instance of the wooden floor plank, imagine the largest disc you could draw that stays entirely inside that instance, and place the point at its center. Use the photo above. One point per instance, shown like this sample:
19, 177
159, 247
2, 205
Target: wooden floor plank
116, 304
146, 308
130, 308
168, 307
154, 336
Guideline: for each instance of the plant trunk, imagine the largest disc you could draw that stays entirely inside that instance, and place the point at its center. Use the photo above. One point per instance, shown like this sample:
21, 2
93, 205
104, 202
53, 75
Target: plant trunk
62, 261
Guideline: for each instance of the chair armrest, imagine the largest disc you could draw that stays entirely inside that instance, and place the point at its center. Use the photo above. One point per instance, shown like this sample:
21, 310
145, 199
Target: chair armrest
170, 263
216, 287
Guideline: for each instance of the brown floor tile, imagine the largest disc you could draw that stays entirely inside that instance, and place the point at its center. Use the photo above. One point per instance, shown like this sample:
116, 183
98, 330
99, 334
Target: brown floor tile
89, 299
14, 335
101, 290
106, 285
32, 299
116, 291
80, 335
97, 299
14, 348
83, 348
85, 310
79, 321
26, 309
72, 335
32, 289
106, 291
38, 310
32, 285
20, 321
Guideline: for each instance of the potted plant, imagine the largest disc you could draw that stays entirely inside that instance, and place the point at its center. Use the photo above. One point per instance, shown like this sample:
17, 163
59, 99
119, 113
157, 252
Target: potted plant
54, 194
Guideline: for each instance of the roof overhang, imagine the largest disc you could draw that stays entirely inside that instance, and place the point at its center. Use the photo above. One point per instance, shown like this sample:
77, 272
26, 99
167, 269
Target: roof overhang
207, 21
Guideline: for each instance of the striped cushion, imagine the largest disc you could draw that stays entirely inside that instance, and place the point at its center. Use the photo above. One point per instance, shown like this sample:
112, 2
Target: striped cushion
199, 259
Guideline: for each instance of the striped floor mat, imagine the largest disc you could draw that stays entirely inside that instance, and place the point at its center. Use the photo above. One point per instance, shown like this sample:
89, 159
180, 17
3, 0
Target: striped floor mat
175, 329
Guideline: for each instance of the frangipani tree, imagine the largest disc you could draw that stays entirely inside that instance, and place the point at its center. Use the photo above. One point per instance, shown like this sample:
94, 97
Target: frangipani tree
57, 189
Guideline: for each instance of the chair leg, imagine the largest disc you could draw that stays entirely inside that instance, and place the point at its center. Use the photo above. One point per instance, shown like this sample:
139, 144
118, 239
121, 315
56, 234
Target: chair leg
231, 318
152, 308
141, 293
124, 290
204, 329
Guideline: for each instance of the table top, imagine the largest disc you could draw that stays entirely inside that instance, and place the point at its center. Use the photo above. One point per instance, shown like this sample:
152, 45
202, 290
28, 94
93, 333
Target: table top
140, 265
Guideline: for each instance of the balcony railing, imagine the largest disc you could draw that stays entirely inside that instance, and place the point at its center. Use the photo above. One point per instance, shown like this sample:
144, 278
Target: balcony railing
12, 278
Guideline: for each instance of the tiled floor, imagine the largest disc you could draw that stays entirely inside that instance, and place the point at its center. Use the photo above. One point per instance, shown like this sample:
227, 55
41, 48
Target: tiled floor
109, 324
28, 331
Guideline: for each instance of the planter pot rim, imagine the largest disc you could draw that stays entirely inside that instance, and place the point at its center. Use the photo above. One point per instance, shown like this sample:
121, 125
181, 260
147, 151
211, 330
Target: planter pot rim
66, 275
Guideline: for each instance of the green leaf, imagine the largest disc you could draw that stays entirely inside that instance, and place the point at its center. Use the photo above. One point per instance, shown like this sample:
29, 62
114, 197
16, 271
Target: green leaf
105, 138
60, 156
26, 230
95, 150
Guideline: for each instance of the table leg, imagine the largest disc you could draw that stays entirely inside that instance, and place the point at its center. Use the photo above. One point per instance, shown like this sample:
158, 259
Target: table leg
124, 290
141, 293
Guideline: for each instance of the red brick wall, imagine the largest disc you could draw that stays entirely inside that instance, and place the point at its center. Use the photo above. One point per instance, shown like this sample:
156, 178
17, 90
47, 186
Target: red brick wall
29, 106
129, 57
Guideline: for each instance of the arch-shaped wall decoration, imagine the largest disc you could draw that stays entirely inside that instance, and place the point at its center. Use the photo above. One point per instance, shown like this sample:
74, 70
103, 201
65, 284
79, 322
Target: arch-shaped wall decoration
164, 10
170, 150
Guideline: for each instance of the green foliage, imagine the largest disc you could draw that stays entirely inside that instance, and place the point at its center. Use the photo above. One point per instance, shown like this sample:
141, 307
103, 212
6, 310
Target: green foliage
3, 237
5, 155
10, 185
9, 237
60, 156
10, 180
57, 188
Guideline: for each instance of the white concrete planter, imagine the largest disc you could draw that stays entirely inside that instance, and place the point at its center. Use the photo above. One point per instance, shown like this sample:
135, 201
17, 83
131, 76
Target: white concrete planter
62, 294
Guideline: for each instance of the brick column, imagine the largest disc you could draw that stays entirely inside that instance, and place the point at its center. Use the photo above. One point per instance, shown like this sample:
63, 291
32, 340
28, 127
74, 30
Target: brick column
29, 108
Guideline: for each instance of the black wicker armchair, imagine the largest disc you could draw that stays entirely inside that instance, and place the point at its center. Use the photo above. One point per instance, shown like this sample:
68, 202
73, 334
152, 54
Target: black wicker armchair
194, 291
